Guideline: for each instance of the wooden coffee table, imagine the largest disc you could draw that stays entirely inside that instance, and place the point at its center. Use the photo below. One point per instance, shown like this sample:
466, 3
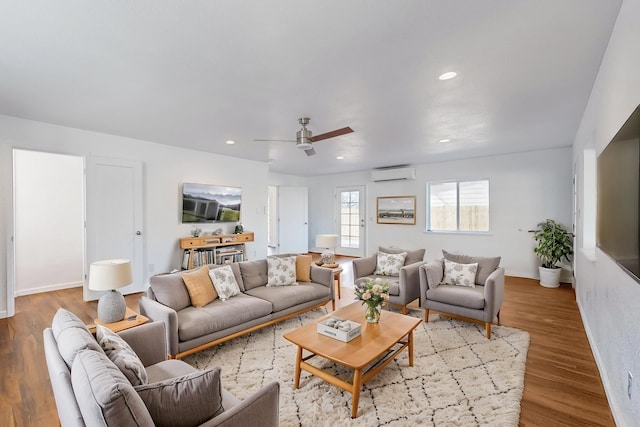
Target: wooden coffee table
375, 348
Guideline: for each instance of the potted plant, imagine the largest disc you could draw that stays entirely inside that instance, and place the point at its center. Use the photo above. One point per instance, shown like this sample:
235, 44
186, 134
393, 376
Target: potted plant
555, 244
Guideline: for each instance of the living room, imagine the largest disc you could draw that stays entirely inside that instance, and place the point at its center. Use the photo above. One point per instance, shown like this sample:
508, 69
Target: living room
526, 187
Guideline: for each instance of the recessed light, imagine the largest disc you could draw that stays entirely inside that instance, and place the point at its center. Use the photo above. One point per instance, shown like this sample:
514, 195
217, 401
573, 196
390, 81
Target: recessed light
448, 75
444, 140
340, 157
230, 142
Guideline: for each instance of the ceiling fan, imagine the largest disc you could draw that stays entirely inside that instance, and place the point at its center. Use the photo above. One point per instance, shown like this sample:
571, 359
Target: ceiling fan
304, 138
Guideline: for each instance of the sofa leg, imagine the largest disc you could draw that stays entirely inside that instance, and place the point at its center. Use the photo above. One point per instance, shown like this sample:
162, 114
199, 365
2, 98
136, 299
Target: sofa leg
426, 315
404, 309
333, 304
498, 316
488, 327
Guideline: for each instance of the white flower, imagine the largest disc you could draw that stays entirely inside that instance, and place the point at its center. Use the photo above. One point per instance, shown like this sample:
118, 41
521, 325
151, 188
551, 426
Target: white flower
366, 296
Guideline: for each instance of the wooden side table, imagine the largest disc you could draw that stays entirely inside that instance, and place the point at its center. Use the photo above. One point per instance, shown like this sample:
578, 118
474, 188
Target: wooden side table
131, 319
336, 280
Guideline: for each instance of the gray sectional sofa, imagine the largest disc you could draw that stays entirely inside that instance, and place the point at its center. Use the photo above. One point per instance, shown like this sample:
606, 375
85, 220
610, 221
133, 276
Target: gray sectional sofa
91, 389
191, 329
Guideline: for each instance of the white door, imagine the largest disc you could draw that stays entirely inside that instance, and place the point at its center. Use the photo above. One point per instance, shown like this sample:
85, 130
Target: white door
350, 215
114, 217
293, 220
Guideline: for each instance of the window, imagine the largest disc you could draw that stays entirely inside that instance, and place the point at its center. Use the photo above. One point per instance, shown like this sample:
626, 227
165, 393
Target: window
458, 206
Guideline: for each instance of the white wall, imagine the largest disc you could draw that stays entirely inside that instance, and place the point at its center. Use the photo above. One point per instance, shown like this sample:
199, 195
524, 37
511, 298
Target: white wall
49, 221
525, 188
608, 298
165, 168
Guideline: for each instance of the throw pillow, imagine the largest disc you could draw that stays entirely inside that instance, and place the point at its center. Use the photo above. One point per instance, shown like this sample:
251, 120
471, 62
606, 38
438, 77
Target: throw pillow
459, 274
389, 264
281, 271
122, 355
188, 400
199, 286
303, 268
486, 265
224, 282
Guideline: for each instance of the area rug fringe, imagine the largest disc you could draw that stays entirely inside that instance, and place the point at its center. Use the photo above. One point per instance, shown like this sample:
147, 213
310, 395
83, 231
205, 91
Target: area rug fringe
459, 378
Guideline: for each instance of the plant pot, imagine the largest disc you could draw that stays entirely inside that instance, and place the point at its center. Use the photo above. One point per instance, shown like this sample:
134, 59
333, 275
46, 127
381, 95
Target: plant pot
550, 277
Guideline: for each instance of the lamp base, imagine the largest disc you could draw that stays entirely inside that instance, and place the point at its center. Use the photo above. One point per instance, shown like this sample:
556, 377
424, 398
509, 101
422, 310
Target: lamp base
111, 307
328, 257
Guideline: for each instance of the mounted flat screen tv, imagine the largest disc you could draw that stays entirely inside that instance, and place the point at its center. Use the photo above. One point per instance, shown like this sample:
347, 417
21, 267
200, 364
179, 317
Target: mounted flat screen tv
618, 199
210, 203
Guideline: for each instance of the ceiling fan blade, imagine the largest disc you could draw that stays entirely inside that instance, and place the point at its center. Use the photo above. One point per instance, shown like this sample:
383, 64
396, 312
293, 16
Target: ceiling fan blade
275, 140
331, 134
310, 151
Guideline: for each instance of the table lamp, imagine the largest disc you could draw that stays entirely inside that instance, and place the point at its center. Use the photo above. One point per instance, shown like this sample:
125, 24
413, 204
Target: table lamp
329, 242
109, 275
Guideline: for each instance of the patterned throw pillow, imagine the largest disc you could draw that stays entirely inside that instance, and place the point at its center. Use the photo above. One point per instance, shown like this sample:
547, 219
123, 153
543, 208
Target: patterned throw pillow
122, 355
199, 286
389, 264
225, 282
459, 274
281, 271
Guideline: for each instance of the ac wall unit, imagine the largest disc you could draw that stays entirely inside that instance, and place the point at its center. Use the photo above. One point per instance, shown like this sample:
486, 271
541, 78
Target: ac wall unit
393, 174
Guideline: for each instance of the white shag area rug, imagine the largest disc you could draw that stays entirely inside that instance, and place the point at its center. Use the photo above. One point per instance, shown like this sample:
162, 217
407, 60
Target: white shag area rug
459, 378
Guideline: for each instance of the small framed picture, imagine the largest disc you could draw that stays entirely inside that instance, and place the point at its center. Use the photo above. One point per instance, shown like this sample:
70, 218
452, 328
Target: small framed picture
396, 210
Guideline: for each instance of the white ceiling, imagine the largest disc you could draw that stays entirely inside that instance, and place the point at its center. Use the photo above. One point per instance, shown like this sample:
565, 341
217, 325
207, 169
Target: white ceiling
198, 73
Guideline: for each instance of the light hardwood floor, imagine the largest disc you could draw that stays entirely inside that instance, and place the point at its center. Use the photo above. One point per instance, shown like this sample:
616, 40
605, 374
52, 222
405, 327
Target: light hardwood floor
562, 384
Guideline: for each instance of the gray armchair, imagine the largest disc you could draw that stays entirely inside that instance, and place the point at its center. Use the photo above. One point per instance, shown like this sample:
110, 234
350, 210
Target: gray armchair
479, 304
403, 288
91, 390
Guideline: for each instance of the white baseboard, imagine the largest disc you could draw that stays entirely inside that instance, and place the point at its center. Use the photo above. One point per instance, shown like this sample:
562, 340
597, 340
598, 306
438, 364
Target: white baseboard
596, 355
48, 288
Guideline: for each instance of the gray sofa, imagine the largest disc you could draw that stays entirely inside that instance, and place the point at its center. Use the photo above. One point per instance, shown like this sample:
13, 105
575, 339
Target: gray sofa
403, 288
91, 390
191, 329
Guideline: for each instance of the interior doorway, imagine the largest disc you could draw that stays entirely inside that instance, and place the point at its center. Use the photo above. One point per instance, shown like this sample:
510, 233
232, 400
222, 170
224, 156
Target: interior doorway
48, 221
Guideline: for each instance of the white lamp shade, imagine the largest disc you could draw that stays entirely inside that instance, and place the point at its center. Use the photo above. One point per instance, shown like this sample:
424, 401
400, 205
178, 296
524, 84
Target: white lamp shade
110, 274
327, 240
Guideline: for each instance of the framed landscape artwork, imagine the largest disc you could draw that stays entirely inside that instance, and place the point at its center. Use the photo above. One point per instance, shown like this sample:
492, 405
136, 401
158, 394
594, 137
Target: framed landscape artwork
396, 210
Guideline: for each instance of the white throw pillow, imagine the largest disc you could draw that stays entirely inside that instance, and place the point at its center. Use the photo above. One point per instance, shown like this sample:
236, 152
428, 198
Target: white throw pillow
225, 282
390, 264
281, 271
122, 355
459, 274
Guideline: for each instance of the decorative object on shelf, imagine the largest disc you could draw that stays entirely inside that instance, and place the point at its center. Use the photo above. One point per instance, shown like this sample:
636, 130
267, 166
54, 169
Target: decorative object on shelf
396, 210
216, 232
372, 293
555, 243
239, 229
195, 231
329, 243
109, 275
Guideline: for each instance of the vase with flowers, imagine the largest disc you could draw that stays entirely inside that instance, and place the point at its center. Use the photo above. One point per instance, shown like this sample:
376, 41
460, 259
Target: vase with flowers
372, 293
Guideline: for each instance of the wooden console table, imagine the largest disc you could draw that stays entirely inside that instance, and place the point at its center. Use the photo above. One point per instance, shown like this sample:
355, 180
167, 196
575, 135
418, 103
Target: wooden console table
217, 249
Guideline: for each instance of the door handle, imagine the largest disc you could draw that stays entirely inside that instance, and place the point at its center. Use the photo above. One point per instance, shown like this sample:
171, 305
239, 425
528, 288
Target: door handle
138, 233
